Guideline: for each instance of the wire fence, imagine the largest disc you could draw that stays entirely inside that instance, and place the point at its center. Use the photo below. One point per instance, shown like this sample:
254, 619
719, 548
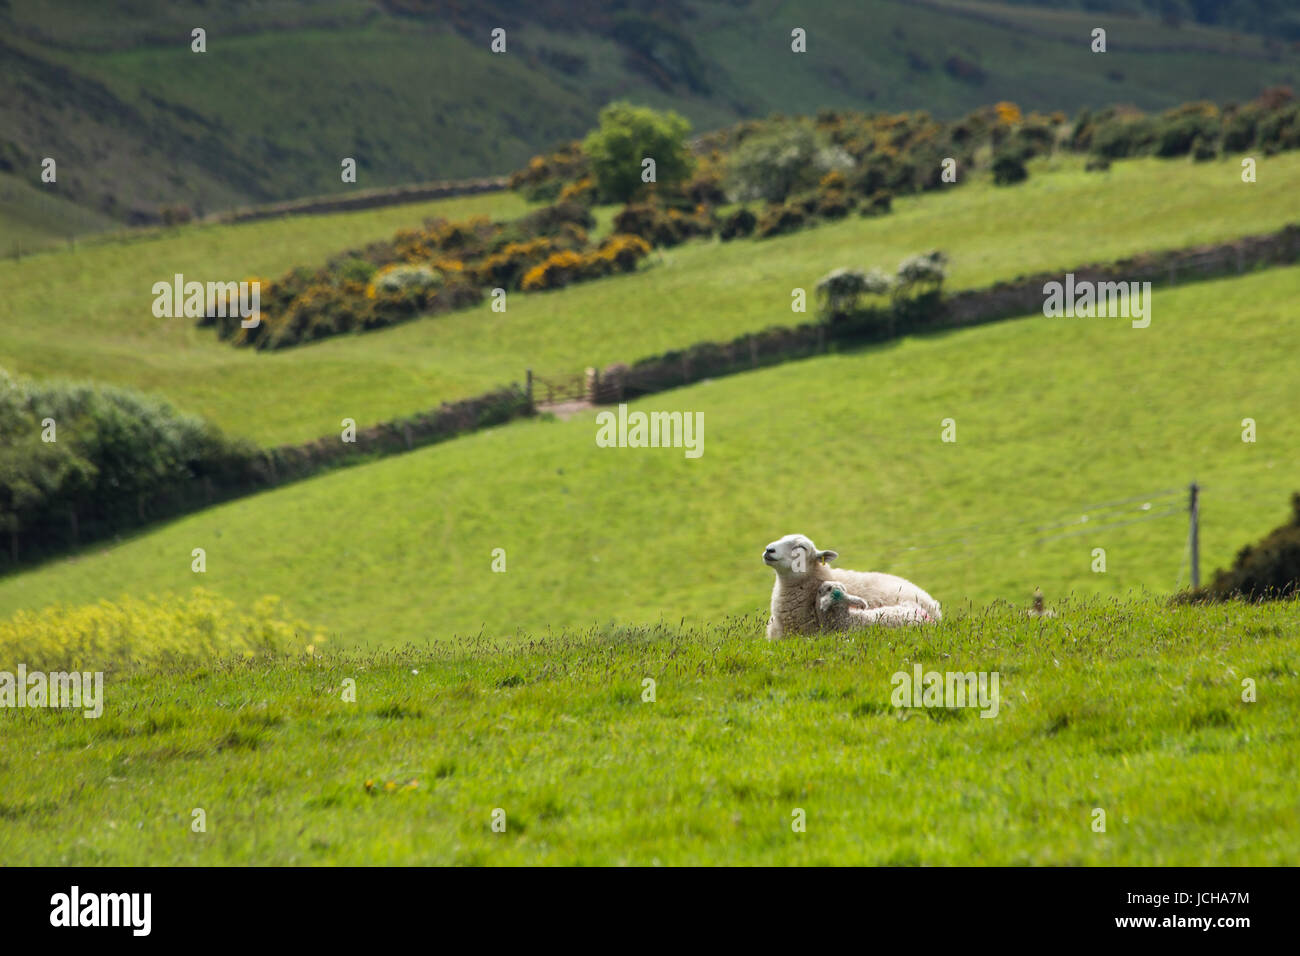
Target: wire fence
957, 544
952, 545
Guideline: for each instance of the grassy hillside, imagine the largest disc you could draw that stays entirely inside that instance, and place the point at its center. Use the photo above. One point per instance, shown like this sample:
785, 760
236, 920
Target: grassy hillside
31, 218
287, 89
87, 315
1056, 419
1132, 709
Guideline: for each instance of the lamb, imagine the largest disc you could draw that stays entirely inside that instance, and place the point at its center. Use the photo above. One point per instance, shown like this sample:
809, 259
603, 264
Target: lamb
838, 611
801, 568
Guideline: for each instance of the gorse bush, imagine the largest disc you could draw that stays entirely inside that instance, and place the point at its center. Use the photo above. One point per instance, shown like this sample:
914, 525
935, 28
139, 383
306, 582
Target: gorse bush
1269, 569
175, 631
661, 226
438, 268
618, 253
1270, 123
111, 451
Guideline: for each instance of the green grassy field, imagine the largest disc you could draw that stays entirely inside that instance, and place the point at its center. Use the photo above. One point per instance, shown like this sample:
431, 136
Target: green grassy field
1055, 419
1133, 709
87, 313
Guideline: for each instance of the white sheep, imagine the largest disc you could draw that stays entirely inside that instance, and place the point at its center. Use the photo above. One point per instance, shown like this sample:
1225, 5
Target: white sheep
801, 568
837, 611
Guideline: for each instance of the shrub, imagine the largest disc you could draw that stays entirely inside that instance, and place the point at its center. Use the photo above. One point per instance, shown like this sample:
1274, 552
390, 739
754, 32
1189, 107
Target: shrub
179, 631
834, 204
628, 134
923, 273
776, 164
557, 271
623, 252
879, 204
1177, 132
1239, 130
842, 288
779, 219
1203, 150
401, 279
544, 176
582, 191
354, 269
739, 223
659, 226
1009, 168
1123, 136
115, 451
505, 268
1267, 570
551, 221
1281, 129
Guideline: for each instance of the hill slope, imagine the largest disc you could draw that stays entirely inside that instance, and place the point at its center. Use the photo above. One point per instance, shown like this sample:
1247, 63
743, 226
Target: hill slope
1056, 419
411, 90
88, 314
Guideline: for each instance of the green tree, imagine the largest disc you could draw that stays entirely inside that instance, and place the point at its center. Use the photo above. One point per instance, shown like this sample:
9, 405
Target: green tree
627, 136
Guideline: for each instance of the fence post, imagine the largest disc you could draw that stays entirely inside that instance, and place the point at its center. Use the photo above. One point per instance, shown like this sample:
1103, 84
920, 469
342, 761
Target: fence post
528, 389
1194, 509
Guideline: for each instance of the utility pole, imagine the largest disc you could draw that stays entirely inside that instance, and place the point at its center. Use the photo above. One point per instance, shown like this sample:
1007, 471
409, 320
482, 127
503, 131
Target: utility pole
1193, 508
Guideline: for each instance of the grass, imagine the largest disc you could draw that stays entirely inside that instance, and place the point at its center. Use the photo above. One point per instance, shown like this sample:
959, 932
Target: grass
1134, 709
88, 314
31, 218
1055, 420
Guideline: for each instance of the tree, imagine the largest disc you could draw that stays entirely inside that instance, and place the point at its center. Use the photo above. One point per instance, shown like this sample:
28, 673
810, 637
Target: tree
771, 166
842, 288
922, 274
627, 136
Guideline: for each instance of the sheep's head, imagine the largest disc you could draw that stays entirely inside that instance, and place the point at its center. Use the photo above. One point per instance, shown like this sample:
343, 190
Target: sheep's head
832, 593
795, 554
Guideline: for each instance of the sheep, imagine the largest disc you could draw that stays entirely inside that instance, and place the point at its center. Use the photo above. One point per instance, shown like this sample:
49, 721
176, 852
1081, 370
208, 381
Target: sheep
837, 610
800, 568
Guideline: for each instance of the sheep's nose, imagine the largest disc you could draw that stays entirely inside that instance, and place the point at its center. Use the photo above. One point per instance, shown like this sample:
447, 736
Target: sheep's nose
768, 552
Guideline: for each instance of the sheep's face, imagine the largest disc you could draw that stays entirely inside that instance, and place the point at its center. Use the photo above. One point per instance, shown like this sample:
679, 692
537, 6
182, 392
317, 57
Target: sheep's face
795, 554
831, 594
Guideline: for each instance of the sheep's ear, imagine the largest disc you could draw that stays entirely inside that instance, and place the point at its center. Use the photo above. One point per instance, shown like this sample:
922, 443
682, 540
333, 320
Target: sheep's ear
856, 601
826, 557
